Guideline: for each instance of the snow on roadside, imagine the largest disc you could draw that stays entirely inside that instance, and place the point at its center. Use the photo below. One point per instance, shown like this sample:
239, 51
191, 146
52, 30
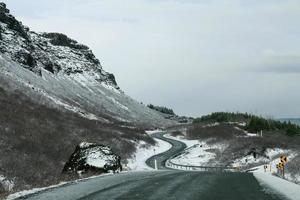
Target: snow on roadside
25, 193
267, 179
189, 143
197, 153
144, 151
150, 132
136, 163
271, 166
32, 191
288, 189
195, 156
272, 156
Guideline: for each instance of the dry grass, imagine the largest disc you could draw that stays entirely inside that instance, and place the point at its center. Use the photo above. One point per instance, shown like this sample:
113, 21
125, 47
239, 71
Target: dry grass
176, 133
220, 132
241, 146
36, 141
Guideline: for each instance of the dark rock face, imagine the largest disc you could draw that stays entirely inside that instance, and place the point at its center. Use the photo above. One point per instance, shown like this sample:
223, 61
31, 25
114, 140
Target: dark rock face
54, 52
3, 8
25, 58
11, 22
93, 157
59, 39
257, 152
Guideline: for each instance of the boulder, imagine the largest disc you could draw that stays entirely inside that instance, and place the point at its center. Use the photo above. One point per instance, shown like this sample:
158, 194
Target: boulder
3, 8
90, 157
6, 185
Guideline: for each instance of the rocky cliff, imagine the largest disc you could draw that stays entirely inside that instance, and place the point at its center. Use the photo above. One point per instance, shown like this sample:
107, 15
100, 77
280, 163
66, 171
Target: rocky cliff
65, 74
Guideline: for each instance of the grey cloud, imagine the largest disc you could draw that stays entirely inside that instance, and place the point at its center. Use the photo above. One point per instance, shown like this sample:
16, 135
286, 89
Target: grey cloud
281, 63
283, 68
195, 56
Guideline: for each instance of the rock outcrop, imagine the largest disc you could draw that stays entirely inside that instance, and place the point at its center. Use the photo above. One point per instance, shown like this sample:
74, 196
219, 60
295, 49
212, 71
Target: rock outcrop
66, 74
55, 52
93, 157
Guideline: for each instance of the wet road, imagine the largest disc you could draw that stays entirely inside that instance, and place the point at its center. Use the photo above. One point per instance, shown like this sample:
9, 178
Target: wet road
161, 158
163, 185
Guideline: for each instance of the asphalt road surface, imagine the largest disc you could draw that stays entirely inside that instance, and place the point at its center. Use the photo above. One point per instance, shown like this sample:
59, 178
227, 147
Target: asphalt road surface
161, 158
163, 185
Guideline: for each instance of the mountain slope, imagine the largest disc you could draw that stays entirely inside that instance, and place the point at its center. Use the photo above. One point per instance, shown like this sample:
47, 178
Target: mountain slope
67, 73
54, 95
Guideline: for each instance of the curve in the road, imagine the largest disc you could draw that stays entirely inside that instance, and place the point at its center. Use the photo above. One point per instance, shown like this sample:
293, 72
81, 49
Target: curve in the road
161, 158
163, 184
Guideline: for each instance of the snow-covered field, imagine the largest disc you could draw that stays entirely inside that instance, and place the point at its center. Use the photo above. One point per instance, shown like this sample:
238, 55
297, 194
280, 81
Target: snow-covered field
198, 153
144, 152
271, 155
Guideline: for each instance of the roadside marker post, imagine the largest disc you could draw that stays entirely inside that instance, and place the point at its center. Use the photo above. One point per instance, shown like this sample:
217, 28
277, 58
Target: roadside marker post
155, 164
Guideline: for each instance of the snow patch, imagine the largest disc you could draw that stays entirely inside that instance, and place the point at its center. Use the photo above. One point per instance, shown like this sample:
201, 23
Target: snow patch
85, 144
150, 132
197, 153
211, 125
286, 188
110, 87
271, 156
6, 184
118, 103
188, 143
25, 193
145, 151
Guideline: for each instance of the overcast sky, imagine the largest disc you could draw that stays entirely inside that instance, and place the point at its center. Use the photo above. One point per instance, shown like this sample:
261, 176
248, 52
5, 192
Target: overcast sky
195, 56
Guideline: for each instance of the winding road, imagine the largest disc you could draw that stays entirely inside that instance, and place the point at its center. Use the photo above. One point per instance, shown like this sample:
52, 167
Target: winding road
163, 184
161, 158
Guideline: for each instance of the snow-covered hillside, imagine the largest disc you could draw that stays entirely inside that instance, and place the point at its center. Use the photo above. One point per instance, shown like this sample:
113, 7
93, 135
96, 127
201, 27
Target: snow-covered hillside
59, 71
54, 94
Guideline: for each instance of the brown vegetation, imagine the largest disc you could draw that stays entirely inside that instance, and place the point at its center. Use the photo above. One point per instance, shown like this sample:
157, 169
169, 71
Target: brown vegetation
239, 145
36, 141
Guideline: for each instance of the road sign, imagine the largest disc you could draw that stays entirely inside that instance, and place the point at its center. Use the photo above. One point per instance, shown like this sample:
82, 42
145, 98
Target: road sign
281, 166
283, 159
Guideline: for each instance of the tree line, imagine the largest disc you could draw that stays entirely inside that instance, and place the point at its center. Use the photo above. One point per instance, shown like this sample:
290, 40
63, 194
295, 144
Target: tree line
161, 109
253, 123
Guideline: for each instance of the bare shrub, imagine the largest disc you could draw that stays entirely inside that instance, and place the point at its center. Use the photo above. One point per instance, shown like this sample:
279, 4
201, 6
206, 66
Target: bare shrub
221, 131
176, 133
36, 141
293, 167
239, 146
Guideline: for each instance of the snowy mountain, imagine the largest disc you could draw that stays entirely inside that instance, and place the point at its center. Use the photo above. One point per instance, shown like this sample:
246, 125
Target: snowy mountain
58, 71
54, 94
